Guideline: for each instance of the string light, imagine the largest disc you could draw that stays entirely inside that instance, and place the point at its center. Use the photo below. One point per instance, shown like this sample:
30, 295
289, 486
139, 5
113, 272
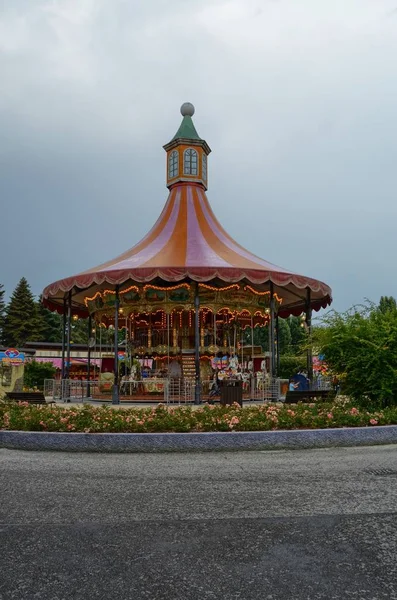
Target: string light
166, 289
211, 288
107, 292
257, 293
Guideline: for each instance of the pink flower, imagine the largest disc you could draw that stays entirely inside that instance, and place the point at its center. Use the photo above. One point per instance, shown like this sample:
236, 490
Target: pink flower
330, 416
373, 421
233, 421
291, 412
354, 411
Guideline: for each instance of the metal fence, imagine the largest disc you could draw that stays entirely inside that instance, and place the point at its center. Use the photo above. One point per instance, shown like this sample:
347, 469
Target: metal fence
322, 383
169, 391
179, 391
67, 389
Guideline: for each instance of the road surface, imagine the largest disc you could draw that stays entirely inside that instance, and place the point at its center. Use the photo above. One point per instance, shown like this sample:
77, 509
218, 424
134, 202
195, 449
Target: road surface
313, 524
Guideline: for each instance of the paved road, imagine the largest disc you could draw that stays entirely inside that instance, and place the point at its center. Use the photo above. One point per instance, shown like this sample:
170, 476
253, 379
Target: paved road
298, 525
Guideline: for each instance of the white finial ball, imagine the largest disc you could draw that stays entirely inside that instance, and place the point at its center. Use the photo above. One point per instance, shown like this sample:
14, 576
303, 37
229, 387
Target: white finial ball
187, 109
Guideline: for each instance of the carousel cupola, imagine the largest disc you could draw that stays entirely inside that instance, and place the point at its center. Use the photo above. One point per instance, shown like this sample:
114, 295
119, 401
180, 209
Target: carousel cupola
187, 153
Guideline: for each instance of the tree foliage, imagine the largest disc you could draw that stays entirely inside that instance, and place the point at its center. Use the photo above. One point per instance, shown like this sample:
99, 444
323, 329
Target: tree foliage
51, 324
292, 336
387, 303
289, 365
298, 335
35, 373
360, 346
22, 322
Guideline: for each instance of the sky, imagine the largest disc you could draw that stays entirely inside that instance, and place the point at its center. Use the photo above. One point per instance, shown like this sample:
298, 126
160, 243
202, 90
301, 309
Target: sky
296, 99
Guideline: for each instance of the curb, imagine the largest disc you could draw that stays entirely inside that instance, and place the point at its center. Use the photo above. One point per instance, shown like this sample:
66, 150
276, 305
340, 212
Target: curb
199, 442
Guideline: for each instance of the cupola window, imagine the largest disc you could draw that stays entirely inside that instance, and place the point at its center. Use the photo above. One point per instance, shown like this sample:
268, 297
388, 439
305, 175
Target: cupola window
173, 164
190, 162
204, 167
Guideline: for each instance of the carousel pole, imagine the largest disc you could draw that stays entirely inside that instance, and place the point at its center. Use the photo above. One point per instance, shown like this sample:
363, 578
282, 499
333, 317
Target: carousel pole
309, 331
242, 349
63, 338
214, 327
272, 340
197, 390
277, 347
69, 328
252, 341
168, 344
115, 392
89, 356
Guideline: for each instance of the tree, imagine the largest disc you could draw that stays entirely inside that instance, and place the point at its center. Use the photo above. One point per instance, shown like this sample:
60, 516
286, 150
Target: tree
387, 303
298, 334
51, 324
284, 336
2, 310
79, 332
360, 347
22, 323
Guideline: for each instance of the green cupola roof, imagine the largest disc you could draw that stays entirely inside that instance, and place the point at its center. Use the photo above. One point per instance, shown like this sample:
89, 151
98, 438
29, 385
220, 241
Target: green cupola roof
187, 130
187, 133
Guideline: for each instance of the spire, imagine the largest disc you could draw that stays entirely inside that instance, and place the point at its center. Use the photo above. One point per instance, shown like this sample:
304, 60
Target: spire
187, 152
187, 129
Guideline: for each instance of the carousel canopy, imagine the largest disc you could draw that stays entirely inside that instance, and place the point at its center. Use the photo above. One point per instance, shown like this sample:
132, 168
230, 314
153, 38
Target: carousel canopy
187, 243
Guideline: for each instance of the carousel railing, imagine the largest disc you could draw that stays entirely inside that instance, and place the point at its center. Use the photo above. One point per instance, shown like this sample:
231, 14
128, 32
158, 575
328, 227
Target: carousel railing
170, 391
52, 389
66, 389
179, 391
255, 388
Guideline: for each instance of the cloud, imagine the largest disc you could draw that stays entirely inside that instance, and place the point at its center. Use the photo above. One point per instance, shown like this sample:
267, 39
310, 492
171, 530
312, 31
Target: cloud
297, 101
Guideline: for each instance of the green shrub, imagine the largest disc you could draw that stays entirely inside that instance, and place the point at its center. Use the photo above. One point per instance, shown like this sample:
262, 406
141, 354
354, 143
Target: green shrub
360, 347
35, 373
105, 419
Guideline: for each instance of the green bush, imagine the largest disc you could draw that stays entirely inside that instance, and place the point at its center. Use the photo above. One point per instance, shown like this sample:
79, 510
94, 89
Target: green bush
105, 419
35, 373
360, 347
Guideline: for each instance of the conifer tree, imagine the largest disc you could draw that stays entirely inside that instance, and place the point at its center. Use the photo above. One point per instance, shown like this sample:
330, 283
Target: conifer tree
2, 310
51, 324
22, 323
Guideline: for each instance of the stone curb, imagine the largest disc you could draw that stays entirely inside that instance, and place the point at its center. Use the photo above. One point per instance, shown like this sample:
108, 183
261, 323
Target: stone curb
199, 442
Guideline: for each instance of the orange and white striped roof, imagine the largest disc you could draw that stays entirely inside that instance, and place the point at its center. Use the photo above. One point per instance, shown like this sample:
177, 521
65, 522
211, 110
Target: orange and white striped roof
188, 242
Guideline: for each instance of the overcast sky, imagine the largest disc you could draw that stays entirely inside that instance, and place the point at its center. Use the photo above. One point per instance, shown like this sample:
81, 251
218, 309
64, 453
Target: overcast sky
297, 100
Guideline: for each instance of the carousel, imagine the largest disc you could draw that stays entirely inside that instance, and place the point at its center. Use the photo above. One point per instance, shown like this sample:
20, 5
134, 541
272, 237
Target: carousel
186, 292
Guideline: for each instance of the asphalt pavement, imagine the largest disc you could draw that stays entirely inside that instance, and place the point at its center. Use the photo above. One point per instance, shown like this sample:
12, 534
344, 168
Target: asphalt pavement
312, 524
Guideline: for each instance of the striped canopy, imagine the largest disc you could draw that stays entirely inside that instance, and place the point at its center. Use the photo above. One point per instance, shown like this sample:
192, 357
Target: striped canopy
188, 243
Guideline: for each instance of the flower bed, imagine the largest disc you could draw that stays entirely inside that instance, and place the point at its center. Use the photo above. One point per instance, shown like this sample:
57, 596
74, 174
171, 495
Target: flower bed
266, 417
